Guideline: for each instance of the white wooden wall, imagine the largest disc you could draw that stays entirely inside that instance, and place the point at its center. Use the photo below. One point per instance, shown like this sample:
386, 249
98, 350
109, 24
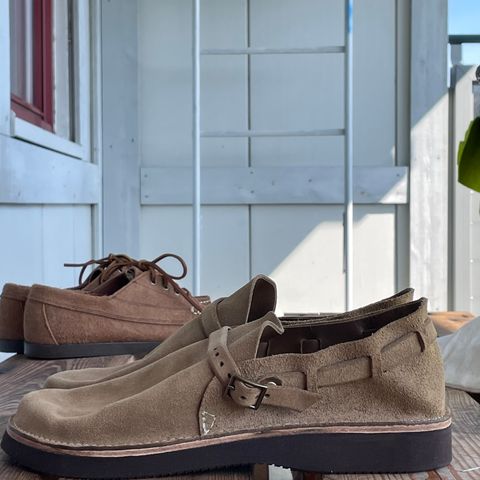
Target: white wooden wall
37, 240
465, 202
299, 245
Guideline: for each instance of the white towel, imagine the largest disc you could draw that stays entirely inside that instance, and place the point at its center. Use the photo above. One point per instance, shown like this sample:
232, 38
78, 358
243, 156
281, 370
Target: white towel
461, 357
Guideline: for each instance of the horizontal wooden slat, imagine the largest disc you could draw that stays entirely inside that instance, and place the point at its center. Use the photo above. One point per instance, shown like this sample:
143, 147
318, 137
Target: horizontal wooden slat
327, 132
35, 175
273, 51
273, 185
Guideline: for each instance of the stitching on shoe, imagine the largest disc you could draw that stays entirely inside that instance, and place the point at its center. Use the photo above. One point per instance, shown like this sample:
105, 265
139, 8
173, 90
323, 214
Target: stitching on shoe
218, 433
47, 324
105, 315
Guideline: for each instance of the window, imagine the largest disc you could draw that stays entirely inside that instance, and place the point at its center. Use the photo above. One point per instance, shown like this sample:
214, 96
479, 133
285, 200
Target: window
50, 77
31, 57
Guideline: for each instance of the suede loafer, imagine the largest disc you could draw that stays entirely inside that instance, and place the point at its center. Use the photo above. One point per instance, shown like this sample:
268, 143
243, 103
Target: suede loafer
362, 394
135, 306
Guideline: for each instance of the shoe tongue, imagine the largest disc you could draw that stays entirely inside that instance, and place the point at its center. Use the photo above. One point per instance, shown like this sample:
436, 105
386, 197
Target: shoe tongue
118, 279
249, 303
248, 344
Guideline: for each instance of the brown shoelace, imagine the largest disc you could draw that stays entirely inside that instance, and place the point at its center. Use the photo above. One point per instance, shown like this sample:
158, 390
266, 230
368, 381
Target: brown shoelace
107, 266
103, 268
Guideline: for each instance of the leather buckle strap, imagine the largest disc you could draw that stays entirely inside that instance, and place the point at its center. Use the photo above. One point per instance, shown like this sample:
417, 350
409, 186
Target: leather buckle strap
247, 393
231, 387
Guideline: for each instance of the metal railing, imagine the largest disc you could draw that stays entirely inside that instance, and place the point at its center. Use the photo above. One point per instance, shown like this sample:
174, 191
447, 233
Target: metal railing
456, 46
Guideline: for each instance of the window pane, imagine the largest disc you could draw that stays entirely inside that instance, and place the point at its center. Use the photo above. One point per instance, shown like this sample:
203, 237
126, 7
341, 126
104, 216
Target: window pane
63, 52
21, 49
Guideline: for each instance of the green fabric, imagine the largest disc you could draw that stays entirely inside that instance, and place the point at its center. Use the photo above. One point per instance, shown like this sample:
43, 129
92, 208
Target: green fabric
469, 157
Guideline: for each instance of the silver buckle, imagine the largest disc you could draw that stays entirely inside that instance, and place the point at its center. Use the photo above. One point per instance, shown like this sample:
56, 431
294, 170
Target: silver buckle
231, 386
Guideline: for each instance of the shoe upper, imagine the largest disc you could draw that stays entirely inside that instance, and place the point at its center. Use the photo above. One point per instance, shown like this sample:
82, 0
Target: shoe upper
12, 306
380, 368
134, 305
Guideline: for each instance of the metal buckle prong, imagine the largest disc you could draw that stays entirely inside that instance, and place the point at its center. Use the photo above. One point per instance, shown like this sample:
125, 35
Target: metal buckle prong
231, 387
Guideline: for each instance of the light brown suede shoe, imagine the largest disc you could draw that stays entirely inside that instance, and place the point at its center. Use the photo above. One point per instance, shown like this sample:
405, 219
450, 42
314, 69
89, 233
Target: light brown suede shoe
12, 305
14, 297
130, 312
371, 399
250, 302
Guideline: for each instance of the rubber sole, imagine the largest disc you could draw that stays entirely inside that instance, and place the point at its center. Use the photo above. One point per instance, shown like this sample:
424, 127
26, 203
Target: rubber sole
73, 350
404, 452
11, 346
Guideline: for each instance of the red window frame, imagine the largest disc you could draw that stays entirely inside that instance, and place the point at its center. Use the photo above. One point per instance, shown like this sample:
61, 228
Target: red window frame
40, 112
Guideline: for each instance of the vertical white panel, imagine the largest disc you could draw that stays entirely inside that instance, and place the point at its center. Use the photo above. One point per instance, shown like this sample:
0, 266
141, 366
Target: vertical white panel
21, 244
374, 82
120, 148
301, 247
224, 107
471, 284
57, 241
83, 248
67, 237
465, 203
294, 92
40, 239
429, 151
374, 259
164, 82
296, 23
297, 91
302, 91
224, 250
223, 24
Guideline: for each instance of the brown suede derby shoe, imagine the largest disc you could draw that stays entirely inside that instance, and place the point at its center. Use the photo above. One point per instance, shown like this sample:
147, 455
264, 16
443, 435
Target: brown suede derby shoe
367, 395
249, 303
132, 308
14, 297
12, 305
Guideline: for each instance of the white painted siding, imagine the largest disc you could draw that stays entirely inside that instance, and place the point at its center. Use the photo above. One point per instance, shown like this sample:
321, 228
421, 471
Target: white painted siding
301, 246
466, 203
37, 240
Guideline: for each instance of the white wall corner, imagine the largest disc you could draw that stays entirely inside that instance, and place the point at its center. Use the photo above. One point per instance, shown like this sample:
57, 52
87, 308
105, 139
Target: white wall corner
429, 152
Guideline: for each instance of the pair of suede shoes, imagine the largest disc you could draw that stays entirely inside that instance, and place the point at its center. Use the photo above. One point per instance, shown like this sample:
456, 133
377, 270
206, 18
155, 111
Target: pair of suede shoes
356, 392
123, 306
